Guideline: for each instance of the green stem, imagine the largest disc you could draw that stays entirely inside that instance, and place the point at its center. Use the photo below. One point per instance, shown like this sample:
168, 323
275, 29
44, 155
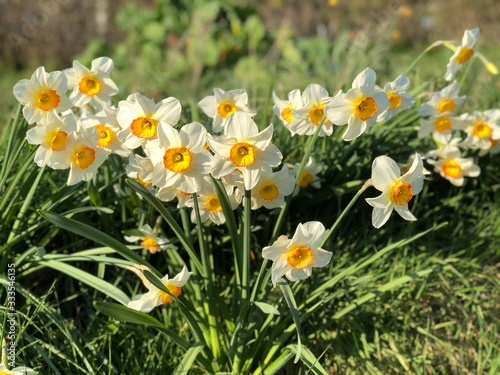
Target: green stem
284, 208
209, 302
245, 272
329, 232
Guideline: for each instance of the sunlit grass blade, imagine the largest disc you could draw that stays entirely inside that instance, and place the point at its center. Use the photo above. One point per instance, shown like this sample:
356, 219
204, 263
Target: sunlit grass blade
308, 358
95, 235
95, 282
189, 358
292, 305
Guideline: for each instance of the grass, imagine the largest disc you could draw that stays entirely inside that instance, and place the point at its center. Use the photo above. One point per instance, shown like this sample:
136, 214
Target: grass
384, 305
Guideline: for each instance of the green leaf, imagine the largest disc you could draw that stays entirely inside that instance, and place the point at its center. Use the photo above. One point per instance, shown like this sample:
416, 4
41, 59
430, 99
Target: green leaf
188, 358
129, 315
290, 301
95, 235
158, 205
308, 358
103, 286
266, 308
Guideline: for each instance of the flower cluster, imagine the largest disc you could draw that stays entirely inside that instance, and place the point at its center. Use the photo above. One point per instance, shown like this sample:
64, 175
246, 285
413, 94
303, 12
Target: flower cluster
76, 127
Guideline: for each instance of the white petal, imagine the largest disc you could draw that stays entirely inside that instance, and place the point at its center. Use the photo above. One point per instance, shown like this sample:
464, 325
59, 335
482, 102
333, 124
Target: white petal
385, 172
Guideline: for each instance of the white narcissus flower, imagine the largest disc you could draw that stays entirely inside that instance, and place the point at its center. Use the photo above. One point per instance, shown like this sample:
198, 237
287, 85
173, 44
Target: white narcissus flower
398, 97
139, 117
440, 124
309, 175
140, 169
223, 104
156, 297
150, 241
397, 190
296, 257
272, 188
244, 148
462, 54
107, 129
19, 370
358, 107
168, 194
482, 129
209, 204
283, 109
306, 119
179, 157
444, 101
81, 155
453, 167
52, 139
43, 96
91, 86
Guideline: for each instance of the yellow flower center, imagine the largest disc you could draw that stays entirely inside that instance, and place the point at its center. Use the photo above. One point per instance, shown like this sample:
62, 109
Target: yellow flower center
394, 100
106, 135
142, 182
144, 127
305, 179
365, 108
150, 244
173, 289
300, 257
446, 105
287, 114
47, 100
442, 125
451, 168
242, 154
84, 157
212, 204
481, 130
464, 55
57, 140
89, 86
177, 159
225, 109
316, 113
401, 193
269, 191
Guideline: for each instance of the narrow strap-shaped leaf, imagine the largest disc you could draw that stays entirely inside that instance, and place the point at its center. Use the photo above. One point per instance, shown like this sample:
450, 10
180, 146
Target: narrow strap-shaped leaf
309, 359
95, 235
188, 358
129, 315
158, 205
93, 281
290, 301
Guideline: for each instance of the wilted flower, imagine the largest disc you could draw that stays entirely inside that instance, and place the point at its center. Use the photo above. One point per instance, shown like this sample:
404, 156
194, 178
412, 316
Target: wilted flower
156, 297
296, 257
397, 190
